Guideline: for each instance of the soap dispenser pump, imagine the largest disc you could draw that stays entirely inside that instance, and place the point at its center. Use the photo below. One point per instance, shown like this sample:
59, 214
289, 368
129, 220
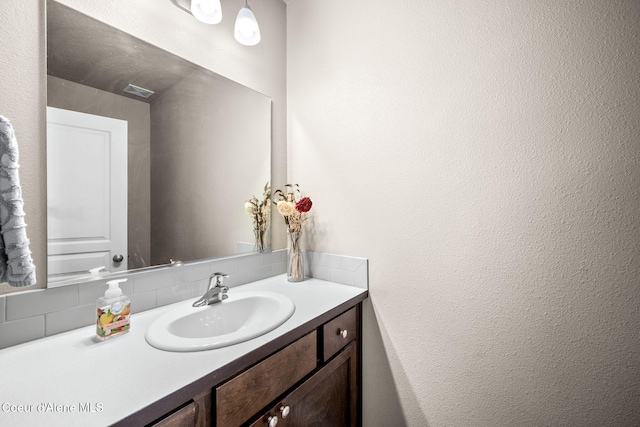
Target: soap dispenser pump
113, 311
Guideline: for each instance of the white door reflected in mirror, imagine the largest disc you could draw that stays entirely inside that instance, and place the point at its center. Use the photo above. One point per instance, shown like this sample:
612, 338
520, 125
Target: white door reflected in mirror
86, 192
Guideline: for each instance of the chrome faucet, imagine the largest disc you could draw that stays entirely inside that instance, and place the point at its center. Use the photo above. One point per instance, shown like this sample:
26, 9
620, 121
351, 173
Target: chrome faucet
214, 294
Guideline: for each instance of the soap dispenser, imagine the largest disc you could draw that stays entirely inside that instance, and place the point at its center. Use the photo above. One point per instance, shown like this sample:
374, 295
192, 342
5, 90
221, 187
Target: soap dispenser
113, 311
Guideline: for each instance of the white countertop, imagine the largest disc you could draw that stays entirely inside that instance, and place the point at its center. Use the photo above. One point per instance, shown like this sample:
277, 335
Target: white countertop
72, 379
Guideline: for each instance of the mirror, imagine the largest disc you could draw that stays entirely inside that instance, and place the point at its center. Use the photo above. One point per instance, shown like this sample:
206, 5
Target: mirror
195, 150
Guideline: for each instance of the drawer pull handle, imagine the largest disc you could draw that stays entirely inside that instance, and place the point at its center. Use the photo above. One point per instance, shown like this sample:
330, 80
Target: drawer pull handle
284, 411
343, 332
272, 421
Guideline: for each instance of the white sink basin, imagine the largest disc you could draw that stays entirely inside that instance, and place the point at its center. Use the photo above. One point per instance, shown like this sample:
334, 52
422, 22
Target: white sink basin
241, 317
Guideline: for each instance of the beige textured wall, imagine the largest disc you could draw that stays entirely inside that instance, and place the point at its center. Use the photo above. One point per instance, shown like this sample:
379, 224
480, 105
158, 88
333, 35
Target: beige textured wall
23, 75
484, 156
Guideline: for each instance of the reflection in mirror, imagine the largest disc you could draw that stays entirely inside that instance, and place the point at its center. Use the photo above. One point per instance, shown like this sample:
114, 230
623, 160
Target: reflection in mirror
195, 149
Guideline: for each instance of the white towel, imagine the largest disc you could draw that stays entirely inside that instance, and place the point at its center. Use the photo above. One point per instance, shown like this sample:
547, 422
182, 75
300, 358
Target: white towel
16, 265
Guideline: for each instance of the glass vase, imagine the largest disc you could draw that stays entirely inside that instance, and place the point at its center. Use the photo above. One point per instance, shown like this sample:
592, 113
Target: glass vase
259, 240
295, 268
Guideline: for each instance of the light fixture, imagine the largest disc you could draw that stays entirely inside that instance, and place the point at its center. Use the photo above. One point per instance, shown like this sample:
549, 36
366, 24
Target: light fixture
207, 11
246, 30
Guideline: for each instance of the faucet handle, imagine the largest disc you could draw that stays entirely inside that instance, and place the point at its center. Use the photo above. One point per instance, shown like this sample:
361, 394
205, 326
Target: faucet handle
219, 277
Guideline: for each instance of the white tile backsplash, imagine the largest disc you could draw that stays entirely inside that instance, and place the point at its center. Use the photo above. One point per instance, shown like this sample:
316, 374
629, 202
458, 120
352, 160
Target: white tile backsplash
143, 301
22, 330
250, 261
325, 260
41, 301
342, 276
30, 315
361, 276
261, 272
318, 271
351, 263
153, 280
67, 320
279, 268
226, 265
238, 278
192, 273
166, 296
350, 271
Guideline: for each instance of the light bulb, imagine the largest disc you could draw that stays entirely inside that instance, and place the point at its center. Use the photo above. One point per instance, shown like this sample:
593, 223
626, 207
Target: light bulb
246, 31
207, 11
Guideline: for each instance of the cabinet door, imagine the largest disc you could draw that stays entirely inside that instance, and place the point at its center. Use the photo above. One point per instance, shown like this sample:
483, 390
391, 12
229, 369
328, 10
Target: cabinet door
195, 414
184, 417
328, 399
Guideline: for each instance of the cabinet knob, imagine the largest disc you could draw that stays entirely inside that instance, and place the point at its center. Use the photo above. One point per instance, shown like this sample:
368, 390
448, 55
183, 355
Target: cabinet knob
272, 421
343, 332
118, 258
284, 411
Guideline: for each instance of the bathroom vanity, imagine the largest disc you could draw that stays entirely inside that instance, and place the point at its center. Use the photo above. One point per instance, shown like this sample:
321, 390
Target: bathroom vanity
306, 370
314, 379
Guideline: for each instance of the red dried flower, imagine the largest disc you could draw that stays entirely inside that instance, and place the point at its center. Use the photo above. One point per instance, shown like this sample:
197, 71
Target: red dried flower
304, 205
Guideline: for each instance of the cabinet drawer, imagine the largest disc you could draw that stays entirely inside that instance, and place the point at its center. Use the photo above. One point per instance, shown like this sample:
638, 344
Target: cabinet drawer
339, 332
248, 393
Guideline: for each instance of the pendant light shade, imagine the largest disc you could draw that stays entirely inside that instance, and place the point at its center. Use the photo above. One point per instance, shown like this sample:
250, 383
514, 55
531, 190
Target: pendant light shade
246, 30
207, 11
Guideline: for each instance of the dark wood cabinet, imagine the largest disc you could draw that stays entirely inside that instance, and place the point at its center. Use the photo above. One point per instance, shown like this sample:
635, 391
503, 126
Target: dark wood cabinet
196, 413
328, 399
339, 332
239, 399
312, 381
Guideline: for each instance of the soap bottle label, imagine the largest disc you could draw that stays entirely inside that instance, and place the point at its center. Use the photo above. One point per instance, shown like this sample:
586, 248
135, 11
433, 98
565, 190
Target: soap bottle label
113, 319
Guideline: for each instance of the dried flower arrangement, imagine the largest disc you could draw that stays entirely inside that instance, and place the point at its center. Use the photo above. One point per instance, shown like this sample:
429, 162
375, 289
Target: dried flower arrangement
260, 212
293, 211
